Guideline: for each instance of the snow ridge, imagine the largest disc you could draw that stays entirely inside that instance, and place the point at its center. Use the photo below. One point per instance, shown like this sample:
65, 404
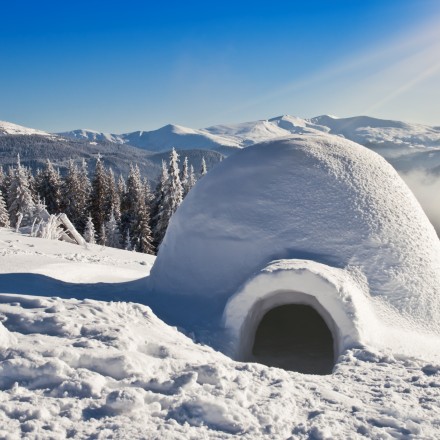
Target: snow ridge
8, 128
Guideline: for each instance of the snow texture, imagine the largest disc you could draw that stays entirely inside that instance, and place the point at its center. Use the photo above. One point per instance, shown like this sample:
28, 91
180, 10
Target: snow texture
82, 368
349, 233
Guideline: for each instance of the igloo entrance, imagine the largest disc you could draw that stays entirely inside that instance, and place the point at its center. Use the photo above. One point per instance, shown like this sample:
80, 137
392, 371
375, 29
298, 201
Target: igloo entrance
294, 337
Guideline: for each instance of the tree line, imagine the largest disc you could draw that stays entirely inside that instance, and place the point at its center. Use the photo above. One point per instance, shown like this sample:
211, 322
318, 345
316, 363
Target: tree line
115, 212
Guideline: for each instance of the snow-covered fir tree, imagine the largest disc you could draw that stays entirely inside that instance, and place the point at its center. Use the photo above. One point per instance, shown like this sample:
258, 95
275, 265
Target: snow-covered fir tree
203, 169
49, 187
159, 194
98, 198
112, 233
159, 223
74, 197
192, 179
143, 237
174, 186
89, 231
85, 188
32, 184
4, 215
20, 202
184, 175
136, 217
113, 202
171, 195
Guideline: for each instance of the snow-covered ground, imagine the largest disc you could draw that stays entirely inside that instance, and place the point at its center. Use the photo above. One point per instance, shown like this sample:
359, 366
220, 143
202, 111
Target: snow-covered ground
75, 367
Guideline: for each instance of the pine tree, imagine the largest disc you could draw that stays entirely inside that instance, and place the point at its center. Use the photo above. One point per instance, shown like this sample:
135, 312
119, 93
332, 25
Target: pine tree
49, 188
83, 198
184, 176
98, 197
136, 217
4, 216
203, 169
189, 182
113, 202
89, 232
171, 197
20, 203
112, 233
159, 194
144, 239
32, 185
74, 202
192, 179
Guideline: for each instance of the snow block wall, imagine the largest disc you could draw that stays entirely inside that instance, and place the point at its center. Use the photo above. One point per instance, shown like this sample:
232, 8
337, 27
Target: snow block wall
311, 219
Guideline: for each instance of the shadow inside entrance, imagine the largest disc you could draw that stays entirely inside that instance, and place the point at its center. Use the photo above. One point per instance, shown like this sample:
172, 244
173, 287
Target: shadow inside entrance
296, 338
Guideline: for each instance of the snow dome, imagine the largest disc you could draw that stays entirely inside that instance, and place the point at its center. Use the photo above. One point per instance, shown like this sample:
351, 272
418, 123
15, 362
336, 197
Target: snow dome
309, 241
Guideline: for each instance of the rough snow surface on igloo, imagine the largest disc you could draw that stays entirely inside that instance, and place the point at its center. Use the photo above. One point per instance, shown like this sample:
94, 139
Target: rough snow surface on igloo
318, 199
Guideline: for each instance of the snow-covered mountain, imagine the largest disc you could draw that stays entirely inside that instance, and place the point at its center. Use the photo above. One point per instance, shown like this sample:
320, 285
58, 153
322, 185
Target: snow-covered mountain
93, 136
225, 138
407, 146
391, 139
381, 132
180, 137
249, 133
8, 128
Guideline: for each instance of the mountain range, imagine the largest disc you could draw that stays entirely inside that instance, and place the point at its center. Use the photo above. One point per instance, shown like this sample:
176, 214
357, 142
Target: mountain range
407, 146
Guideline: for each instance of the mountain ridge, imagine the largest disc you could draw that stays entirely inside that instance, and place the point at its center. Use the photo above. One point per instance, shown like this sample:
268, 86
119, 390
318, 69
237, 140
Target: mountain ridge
392, 139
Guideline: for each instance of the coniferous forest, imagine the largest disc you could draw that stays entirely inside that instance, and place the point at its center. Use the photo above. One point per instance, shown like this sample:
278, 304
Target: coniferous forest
105, 209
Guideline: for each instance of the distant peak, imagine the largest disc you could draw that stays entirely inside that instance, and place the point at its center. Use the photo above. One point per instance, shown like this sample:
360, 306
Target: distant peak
15, 129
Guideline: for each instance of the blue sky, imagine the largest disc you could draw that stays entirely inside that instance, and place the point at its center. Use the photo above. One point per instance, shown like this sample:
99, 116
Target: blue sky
121, 66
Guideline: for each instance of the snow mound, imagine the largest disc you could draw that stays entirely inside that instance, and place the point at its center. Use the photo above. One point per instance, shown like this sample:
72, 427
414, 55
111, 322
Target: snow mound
5, 337
353, 241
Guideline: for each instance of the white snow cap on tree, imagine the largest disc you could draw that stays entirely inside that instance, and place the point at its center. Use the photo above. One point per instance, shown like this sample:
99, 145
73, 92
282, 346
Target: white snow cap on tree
203, 169
20, 202
89, 232
170, 195
313, 216
112, 232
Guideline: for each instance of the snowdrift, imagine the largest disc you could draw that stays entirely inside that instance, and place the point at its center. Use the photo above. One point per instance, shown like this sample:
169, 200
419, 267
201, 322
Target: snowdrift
312, 219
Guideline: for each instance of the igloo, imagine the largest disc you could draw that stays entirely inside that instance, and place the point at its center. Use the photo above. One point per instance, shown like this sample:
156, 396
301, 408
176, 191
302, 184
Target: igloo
294, 250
